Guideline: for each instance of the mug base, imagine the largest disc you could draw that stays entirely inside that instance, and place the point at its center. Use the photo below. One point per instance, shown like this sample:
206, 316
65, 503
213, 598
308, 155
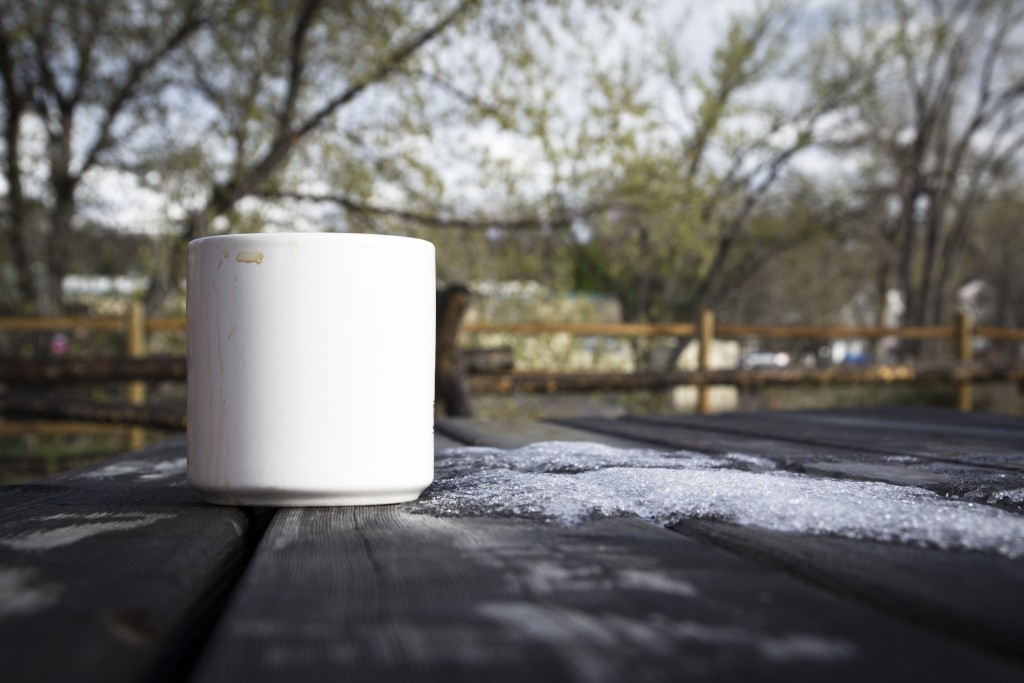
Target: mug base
273, 497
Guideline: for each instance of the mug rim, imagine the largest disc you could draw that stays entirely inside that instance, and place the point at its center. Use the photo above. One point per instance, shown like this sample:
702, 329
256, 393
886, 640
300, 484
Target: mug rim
297, 237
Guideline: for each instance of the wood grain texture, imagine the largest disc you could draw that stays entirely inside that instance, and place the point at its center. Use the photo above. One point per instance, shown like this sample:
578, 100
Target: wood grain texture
873, 457
941, 372
64, 370
512, 433
380, 594
118, 572
49, 406
450, 394
973, 597
442, 441
961, 444
977, 427
114, 572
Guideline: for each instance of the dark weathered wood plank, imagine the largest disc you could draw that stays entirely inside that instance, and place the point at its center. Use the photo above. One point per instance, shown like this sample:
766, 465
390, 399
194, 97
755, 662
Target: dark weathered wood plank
1001, 451
675, 436
973, 597
114, 572
546, 382
379, 593
451, 396
512, 432
65, 370
53, 407
934, 424
922, 415
950, 478
442, 441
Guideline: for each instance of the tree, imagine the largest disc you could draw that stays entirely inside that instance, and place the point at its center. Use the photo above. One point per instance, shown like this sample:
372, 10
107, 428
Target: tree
74, 76
208, 100
992, 254
937, 129
231, 115
687, 199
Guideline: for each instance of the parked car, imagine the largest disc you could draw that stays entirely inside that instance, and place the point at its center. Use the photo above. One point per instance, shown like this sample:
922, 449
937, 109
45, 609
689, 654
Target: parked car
765, 359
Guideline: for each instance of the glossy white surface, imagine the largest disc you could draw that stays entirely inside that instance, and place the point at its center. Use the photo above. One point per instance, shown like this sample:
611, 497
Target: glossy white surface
310, 368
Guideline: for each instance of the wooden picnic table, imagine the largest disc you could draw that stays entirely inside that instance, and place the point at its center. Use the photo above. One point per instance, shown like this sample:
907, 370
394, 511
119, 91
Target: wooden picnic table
839, 545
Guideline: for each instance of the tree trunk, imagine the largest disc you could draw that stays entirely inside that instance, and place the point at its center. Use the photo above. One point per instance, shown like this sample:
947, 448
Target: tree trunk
20, 255
57, 252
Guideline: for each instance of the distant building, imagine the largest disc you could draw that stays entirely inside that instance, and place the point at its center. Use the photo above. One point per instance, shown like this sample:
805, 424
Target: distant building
102, 294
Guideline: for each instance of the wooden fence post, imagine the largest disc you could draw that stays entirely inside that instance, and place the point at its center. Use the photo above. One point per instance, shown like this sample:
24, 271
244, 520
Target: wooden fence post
705, 338
451, 394
964, 352
136, 347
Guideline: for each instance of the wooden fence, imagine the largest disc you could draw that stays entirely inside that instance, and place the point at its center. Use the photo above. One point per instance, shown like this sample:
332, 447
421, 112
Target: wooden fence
963, 370
137, 366
136, 327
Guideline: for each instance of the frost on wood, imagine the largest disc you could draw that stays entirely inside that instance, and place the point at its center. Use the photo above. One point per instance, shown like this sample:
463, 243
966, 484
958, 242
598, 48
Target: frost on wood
570, 482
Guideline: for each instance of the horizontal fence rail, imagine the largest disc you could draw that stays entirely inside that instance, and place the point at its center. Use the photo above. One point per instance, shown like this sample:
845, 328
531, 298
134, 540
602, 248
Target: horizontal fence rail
963, 372
743, 331
89, 323
722, 331
64, 370
491, 371
588, 329
925, 373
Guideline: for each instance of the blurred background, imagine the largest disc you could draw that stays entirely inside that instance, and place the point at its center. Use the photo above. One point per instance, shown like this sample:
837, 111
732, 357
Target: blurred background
819, 167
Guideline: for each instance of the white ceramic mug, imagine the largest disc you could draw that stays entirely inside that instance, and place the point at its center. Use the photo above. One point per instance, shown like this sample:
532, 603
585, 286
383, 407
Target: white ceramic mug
310, 368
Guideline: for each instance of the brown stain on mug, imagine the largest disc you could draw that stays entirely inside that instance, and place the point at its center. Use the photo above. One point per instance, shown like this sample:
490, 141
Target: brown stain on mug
249, 257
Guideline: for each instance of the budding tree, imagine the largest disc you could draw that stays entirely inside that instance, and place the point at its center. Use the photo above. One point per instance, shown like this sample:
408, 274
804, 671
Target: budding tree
938, 130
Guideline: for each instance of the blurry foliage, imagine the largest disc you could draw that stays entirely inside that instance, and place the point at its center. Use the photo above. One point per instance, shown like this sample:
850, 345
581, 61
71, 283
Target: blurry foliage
235, 115
693, 199
519, 301
934, 131
576, 143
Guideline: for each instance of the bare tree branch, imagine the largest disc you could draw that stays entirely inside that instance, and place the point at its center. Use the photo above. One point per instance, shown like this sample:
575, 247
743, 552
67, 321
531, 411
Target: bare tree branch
190, 24
561, 220
297, 60
288, 136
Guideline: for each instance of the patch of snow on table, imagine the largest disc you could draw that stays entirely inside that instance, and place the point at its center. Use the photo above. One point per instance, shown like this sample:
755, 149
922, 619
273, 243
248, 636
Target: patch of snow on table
1011, 496
141, 470
77, 528
572, 482
22, 593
